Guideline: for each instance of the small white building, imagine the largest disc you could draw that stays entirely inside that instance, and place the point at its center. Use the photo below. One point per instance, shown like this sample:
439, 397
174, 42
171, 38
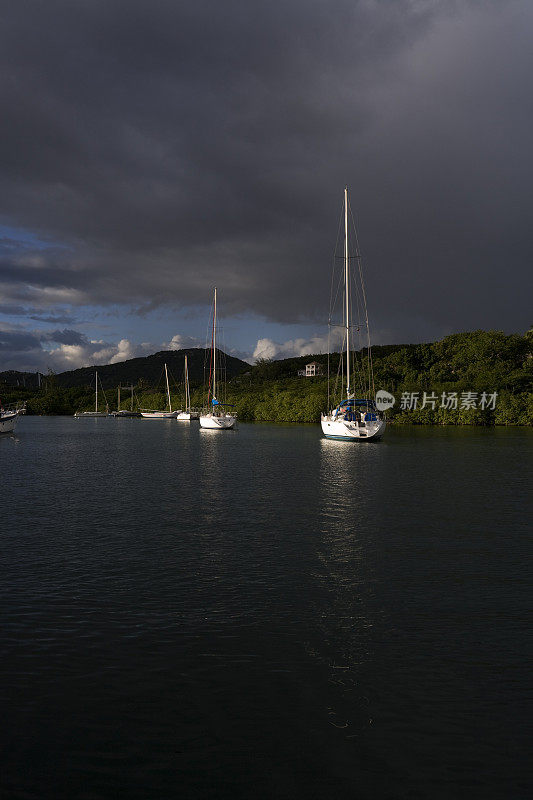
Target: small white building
311, 370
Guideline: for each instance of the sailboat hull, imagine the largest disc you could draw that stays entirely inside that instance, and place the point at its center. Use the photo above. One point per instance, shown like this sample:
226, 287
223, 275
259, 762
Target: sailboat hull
8, 420
225, 422
335, 428
159, 414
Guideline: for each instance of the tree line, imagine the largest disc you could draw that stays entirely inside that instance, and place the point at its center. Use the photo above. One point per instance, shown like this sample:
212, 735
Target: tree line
476, 363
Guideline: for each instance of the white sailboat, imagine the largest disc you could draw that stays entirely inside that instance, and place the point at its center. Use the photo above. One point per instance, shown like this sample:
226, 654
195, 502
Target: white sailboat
354, 419
214, 417
161, 414
187, 415
9, 416
95, 413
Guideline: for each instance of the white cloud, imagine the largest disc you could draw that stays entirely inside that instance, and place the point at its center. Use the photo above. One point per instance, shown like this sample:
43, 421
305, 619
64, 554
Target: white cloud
180, 342
29, 350
292, 348
61, 350
69, 356
267, 348
127, 350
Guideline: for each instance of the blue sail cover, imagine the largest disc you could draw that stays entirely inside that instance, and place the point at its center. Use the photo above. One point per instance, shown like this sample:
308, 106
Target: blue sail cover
215, 402
352, 404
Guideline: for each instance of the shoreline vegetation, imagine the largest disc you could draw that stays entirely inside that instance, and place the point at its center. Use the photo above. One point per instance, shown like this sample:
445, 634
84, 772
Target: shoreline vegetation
272, 391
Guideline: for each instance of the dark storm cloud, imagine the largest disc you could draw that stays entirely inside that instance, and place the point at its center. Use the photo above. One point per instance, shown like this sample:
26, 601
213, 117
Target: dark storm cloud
64, 349
173, 146
32, 313
54, 319
12, 310
66, 336
18, 341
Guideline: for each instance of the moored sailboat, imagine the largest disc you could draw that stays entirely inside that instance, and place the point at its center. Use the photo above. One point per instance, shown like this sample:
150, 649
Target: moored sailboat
9, 417
125, 412
188, 414
168, 414
354, 419
214, 416
95, 413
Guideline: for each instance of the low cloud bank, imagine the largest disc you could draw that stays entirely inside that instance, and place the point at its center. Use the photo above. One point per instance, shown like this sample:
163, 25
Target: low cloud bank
267, 348
180, 342
61, 350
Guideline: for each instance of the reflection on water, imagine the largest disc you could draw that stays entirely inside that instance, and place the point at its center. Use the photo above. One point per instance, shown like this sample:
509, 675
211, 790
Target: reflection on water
262, 614
347, 472
213, 480
10, 437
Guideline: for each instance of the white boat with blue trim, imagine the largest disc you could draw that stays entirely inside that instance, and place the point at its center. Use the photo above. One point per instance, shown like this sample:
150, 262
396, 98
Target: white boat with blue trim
215, 417
354, 419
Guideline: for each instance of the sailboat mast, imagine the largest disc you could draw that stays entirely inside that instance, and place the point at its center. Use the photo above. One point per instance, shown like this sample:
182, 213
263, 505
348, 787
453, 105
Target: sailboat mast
168, 390
347, 291
187, 394
96, 390
215, 345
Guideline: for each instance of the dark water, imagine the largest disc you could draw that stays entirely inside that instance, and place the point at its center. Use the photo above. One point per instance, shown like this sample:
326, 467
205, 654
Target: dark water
263, 613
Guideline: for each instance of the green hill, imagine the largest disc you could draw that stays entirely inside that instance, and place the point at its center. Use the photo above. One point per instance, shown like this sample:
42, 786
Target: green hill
149, 369
477, 362
67, 392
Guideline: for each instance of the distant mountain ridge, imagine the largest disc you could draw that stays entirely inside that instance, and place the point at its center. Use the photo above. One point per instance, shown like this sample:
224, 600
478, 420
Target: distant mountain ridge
147, 368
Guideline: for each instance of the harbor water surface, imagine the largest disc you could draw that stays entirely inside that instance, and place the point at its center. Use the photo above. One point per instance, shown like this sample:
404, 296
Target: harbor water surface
263, 613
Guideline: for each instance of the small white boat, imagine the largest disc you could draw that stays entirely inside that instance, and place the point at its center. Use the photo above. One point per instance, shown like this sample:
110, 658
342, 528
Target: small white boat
169, 414
214, 417
9, 417
158, 414
354, 419
95, 413
188, 414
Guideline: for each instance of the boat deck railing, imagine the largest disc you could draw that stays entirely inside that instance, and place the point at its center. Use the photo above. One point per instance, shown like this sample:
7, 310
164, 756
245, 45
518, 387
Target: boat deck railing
20, 408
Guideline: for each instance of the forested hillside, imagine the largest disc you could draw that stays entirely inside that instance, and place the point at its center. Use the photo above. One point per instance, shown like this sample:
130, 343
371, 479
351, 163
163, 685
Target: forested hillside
148, 369
489, 372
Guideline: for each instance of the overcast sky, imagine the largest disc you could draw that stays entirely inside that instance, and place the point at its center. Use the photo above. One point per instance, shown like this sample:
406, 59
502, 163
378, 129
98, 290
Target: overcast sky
151, 150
